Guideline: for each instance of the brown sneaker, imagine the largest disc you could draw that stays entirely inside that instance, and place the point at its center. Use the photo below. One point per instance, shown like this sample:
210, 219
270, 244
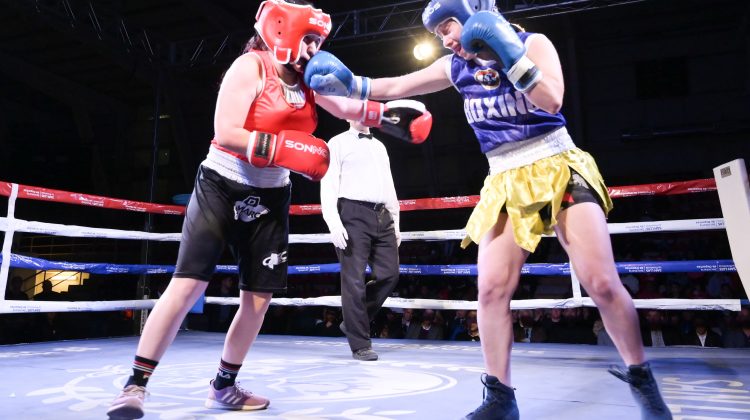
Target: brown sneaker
234, 398
129, 404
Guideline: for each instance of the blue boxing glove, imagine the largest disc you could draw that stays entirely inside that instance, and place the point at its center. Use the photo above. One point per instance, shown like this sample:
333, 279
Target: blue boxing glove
489, 31
327, 75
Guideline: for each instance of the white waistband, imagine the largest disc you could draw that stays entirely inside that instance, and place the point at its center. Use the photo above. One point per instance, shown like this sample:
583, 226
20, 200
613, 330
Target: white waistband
514, 155
243, 172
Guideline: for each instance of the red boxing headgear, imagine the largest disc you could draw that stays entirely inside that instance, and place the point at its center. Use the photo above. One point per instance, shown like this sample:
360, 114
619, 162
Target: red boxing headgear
283, 27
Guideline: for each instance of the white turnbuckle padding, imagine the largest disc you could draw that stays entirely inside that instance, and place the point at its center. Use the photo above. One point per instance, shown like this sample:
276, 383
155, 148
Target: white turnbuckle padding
734, 196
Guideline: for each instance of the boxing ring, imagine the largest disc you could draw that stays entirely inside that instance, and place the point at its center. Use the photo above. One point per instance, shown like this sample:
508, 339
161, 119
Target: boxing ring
316, 378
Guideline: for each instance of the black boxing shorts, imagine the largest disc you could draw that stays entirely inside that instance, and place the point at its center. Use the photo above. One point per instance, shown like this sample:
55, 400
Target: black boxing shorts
252, 222
578, 191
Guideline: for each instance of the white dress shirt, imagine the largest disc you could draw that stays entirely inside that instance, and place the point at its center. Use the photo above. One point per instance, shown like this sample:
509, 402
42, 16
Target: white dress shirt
359, 170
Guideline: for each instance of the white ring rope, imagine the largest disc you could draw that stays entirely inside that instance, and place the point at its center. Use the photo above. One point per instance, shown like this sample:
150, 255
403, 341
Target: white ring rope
22, 306
20, 225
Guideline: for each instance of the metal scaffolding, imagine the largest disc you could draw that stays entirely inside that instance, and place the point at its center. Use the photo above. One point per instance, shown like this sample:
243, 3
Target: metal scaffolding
360, 26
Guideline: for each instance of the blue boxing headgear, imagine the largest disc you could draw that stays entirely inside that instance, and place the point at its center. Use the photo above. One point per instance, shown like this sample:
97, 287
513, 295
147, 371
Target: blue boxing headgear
438, 11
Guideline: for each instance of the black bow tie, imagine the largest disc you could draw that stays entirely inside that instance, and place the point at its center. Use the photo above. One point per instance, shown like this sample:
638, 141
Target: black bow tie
364, 136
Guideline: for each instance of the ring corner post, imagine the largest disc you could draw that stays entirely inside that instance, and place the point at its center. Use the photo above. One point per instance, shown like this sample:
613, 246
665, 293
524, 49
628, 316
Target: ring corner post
734, 196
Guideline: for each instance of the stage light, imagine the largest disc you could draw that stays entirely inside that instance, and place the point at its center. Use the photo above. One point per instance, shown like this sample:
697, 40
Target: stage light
424, 50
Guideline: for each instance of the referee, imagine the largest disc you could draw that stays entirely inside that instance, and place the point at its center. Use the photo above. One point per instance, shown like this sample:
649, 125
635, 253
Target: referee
361, 209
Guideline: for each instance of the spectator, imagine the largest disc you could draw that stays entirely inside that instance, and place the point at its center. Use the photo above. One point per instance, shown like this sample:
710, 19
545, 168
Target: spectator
329, 326
457, 325
602, 336
737, 334
561, 329
384, 332
656, 332
702, 336
471, 333
47, 293
527, 329
406, 321
427, 329
553, 325
15, 289
392, 323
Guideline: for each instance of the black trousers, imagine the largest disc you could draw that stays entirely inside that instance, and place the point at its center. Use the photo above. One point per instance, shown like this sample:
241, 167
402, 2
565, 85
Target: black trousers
372, 239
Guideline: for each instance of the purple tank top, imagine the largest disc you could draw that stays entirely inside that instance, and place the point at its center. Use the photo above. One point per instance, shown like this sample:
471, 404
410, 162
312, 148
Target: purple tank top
496, 111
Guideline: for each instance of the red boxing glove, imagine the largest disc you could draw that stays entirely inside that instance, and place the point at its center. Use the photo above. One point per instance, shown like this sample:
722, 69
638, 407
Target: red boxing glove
297, 151
404, 119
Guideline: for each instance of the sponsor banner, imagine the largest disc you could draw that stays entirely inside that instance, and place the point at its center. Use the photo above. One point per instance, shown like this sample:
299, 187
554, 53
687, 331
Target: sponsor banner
666, 188
45, 194
59, 196
537, 269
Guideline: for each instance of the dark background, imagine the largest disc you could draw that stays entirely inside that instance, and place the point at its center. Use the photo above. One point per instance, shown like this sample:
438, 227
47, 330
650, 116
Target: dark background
656, 90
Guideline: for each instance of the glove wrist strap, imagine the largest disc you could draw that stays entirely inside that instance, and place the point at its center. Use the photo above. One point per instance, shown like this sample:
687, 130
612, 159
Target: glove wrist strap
524, 74
372, 113
261, 148
360, 88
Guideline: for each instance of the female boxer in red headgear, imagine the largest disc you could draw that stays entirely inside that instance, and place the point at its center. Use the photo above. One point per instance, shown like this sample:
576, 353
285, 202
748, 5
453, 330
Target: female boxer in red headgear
263, 125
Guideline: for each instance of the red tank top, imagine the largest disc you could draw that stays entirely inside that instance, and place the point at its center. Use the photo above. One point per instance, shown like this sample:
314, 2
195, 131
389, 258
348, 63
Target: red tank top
271, 113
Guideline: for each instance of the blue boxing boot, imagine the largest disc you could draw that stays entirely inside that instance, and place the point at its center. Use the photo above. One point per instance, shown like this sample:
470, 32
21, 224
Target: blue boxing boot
499, 402
645, 391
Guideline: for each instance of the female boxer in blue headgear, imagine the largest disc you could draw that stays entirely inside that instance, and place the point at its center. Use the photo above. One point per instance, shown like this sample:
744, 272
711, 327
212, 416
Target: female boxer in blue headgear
539, 182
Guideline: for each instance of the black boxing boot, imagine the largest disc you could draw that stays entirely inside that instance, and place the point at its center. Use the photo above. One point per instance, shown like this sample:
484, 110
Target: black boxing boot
645, 391
499, 402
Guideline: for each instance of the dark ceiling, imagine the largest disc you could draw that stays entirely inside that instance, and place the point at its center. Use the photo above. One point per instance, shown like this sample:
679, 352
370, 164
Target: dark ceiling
83, 80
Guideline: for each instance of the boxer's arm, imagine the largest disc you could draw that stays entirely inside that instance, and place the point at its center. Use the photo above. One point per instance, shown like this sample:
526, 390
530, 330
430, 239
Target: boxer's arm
427, 80
236, 94
341, 107
328, 76
548, 92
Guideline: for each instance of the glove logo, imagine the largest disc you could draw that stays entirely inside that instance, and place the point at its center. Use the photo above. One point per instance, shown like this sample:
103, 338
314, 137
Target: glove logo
307, 148
249, 209
274, 259
488, 78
